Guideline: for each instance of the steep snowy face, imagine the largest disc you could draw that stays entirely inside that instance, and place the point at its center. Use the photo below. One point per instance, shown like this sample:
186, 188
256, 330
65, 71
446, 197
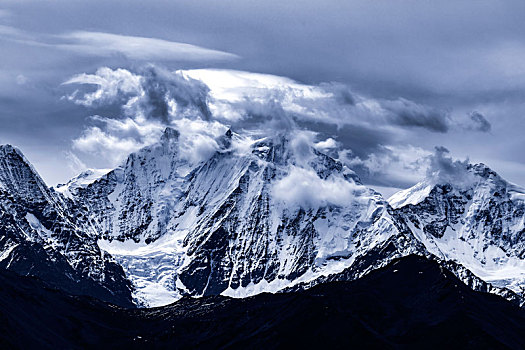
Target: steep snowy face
40, 236
479, 224
249, 219
248, 236
136, 200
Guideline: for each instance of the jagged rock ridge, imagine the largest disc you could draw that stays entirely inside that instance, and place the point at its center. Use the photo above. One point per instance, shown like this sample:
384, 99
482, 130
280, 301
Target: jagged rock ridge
40, 236
479, 224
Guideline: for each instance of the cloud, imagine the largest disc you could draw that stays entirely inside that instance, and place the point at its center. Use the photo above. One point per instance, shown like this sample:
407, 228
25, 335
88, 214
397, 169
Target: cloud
111, 86
153, 92
369, 131
392, 165
341, 93
139, 48
75, 164
444, 170
479, 122
301, 145
244, 95
304, 188
326, 145
148, 101
410, 114
111, 147
167, 94
115, 139
198, 138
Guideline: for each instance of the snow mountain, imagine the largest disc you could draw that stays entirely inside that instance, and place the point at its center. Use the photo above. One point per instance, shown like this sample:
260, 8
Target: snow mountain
223, 227
262, 214
478, 222
40, 236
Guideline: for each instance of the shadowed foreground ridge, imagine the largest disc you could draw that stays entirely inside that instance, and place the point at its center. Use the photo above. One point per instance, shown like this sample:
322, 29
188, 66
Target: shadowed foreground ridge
410, 303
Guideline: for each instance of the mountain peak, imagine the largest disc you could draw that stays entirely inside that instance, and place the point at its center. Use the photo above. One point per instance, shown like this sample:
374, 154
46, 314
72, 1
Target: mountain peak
9, 149
461, 176
82, 180
169, 134
17, 174
482, 170
225, 141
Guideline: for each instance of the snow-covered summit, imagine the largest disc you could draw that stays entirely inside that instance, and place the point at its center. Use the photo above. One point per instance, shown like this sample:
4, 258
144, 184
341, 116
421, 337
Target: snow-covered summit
469, 178
82, 180
479, 223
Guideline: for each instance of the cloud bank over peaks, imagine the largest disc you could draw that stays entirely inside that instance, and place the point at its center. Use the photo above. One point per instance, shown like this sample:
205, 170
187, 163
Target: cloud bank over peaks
147, 102
365, 133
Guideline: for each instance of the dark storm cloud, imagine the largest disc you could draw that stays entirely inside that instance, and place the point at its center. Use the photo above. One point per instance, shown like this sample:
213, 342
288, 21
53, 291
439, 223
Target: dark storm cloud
479, 122
342, 93
443, 169
409, 114
161, 86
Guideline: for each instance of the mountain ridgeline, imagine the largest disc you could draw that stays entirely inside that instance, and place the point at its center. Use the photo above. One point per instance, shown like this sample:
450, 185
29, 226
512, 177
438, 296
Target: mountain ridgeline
267, 217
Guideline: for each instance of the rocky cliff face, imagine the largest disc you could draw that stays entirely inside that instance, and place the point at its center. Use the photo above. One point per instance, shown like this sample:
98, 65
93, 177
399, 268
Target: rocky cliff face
40, 236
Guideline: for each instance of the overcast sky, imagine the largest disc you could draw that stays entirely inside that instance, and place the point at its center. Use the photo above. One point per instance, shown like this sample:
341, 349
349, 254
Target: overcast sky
436, 73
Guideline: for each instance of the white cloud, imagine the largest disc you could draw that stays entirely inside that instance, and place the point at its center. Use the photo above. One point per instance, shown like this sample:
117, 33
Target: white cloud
138, 48
303, 187
197, 141
400, 165
301, 145
149, 102
118, 139
110, 85
326, 145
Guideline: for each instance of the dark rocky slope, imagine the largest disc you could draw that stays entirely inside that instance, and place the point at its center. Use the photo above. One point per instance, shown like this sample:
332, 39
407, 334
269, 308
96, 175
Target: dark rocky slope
411, 303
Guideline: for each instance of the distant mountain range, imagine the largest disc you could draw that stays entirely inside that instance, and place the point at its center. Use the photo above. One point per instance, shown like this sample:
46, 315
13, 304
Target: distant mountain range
270, 216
